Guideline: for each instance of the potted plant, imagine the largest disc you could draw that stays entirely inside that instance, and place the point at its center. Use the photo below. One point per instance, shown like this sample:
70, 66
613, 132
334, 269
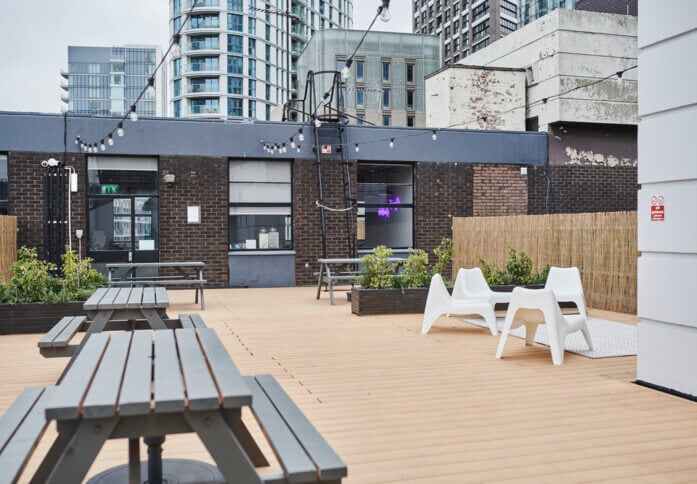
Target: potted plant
33, 299
518, 271
390, 287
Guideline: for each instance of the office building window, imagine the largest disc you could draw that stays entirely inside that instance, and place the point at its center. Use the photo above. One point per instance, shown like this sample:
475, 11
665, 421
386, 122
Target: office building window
252, 110
235, 5
4, 186
385, 71
385, 205
359, 70
386, 120
202, 42
234, 64
234, 85
260, 205
386, 99
234, 22
360, 118
359, 97
234, 107
204, 106
177, 67
252, 67
177, 85
204, 21
410, 121
252, 26
204, 84
410, 73
252, 47
410, 99
204, 64
252, 92
177, 109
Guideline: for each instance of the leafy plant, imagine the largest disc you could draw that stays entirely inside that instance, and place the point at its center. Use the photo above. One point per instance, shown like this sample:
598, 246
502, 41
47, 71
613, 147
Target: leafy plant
79, 279
517, 271
378, 272
444, 253
415, 269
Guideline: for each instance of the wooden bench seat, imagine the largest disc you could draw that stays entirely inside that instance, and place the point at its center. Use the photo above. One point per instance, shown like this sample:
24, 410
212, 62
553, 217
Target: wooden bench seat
191, 320
57, 341
20, 430
302, 452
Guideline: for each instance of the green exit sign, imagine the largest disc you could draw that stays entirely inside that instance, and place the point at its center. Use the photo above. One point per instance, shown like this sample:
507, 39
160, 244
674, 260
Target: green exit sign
109, 189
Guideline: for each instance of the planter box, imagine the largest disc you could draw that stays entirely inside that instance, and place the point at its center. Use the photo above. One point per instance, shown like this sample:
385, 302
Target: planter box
35, 317
388, 301
509, 288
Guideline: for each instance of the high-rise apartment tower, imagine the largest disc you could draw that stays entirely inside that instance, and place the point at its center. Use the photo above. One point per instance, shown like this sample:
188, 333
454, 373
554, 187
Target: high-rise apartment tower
465, 26
238, 56
108, 80
529, 10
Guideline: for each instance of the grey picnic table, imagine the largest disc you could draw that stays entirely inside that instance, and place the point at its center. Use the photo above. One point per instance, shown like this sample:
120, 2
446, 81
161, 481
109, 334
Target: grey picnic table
150, 384
330, 272
126, 304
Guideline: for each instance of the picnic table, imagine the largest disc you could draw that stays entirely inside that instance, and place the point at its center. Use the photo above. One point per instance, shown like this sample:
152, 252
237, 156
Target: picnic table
149, 384
341, 270
187, 274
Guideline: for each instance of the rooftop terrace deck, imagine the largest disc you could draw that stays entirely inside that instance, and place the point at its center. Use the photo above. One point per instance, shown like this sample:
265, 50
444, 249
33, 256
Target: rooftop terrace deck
399, 406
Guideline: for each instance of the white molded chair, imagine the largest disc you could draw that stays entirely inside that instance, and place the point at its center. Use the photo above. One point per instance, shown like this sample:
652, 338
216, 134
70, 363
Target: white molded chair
439, 303
470, 284
566, 284
531, 307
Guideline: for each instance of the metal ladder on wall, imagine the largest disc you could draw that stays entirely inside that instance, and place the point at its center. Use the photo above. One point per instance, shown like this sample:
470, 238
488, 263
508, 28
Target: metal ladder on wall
330, 154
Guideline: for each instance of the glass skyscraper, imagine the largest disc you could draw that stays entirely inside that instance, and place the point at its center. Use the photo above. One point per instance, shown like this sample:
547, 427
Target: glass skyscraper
529, 10
107, 80
239, 56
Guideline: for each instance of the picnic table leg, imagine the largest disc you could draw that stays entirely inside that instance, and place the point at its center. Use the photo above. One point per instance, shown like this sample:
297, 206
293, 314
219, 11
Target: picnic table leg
319, 279
153, 318
330, 285
226, 450
203, 304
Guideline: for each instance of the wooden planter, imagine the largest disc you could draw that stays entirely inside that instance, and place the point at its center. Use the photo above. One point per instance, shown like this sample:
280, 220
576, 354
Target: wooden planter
35, 317
388, 301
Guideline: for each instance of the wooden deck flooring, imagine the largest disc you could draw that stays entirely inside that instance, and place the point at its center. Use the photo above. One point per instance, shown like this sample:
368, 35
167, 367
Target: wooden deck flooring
399, 406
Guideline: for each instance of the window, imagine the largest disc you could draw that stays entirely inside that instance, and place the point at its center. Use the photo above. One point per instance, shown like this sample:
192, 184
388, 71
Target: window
234, 64
360, 118
410, 121
235, 5
201, 42
177, 7
359, 70
234, 44
385, 205
480, 11
234, 22
410, 73
252, 90
386, 99
480, 30
177, 87
252, 111
204, 105
4, 186
385, 71
260, 207
204, 84
359, 97
410, 99
252, 26
177, 67
252, 67
386, 120
177, 109
234, 85
204, 64
234, 107
252, 47
509, 8
204, 21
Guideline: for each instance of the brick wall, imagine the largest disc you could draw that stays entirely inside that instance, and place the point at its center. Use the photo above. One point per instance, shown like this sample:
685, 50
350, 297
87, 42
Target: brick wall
26, 196
201, 182
577, 189
499, 190
307, 227
442, 191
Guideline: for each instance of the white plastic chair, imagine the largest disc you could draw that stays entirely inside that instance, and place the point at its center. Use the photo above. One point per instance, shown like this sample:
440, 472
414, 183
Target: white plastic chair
470, 284
531, 307
439, 303
566, 284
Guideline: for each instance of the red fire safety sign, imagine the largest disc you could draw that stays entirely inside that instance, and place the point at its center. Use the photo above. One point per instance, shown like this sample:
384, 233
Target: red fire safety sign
658, 213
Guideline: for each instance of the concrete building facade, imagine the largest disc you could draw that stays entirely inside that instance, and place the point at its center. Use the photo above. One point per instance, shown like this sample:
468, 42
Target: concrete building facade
386, 82
668, 175
464, 26
239, 57
106, 81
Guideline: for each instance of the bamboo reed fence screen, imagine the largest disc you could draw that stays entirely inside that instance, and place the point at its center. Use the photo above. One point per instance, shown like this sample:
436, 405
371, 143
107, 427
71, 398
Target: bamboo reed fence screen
602, 245
8, 245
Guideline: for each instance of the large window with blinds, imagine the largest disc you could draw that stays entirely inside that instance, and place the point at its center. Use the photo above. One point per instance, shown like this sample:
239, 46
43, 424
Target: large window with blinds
260, 211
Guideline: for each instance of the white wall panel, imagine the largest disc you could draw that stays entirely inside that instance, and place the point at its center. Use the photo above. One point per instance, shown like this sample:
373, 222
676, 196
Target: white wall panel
658, 20
667, 288
678, 231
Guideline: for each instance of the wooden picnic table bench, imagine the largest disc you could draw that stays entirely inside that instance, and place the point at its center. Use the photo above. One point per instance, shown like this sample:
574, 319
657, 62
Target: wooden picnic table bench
183, 274
149, 384
330, 272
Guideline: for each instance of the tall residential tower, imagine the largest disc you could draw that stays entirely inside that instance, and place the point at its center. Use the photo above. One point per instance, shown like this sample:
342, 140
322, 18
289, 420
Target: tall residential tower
238, 56
107, 80
465, 26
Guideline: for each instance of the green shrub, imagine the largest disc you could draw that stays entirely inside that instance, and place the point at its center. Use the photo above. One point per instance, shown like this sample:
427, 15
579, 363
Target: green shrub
415, 269
32, 279
378, 272
444, 254
517, 271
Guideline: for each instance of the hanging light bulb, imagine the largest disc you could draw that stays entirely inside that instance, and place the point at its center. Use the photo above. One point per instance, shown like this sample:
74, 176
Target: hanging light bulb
298, 148
119, 131
346, 71
150, 91
283, 148
133, 115
176, 47
357, 148
110, 141
301, 136
391, 142
318, 123
292, 143
77, 140
102, 146
385, 11
434, 136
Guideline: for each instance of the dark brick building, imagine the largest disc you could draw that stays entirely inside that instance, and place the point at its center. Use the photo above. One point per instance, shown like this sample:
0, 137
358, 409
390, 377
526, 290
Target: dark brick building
207, 190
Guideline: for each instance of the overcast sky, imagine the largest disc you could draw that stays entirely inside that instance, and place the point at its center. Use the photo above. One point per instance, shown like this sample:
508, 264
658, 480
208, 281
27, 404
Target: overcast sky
36, 35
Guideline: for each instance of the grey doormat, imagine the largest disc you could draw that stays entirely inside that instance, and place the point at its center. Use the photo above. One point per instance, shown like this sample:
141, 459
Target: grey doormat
610, 338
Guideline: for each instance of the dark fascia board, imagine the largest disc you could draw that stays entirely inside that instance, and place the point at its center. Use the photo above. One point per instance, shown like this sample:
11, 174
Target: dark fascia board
480, 68
33, 132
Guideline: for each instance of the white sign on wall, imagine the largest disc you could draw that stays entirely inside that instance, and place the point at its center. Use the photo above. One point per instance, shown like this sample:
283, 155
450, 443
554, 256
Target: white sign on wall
193, 215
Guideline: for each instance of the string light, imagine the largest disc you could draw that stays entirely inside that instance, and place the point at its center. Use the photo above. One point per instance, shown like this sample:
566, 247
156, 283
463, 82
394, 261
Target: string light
119, 131
301, 136
176, 43
151, 87
102, 146
133, 115
292, 143
391, 142
357, 148
318, 123
110, 141
435, 136
385, 11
